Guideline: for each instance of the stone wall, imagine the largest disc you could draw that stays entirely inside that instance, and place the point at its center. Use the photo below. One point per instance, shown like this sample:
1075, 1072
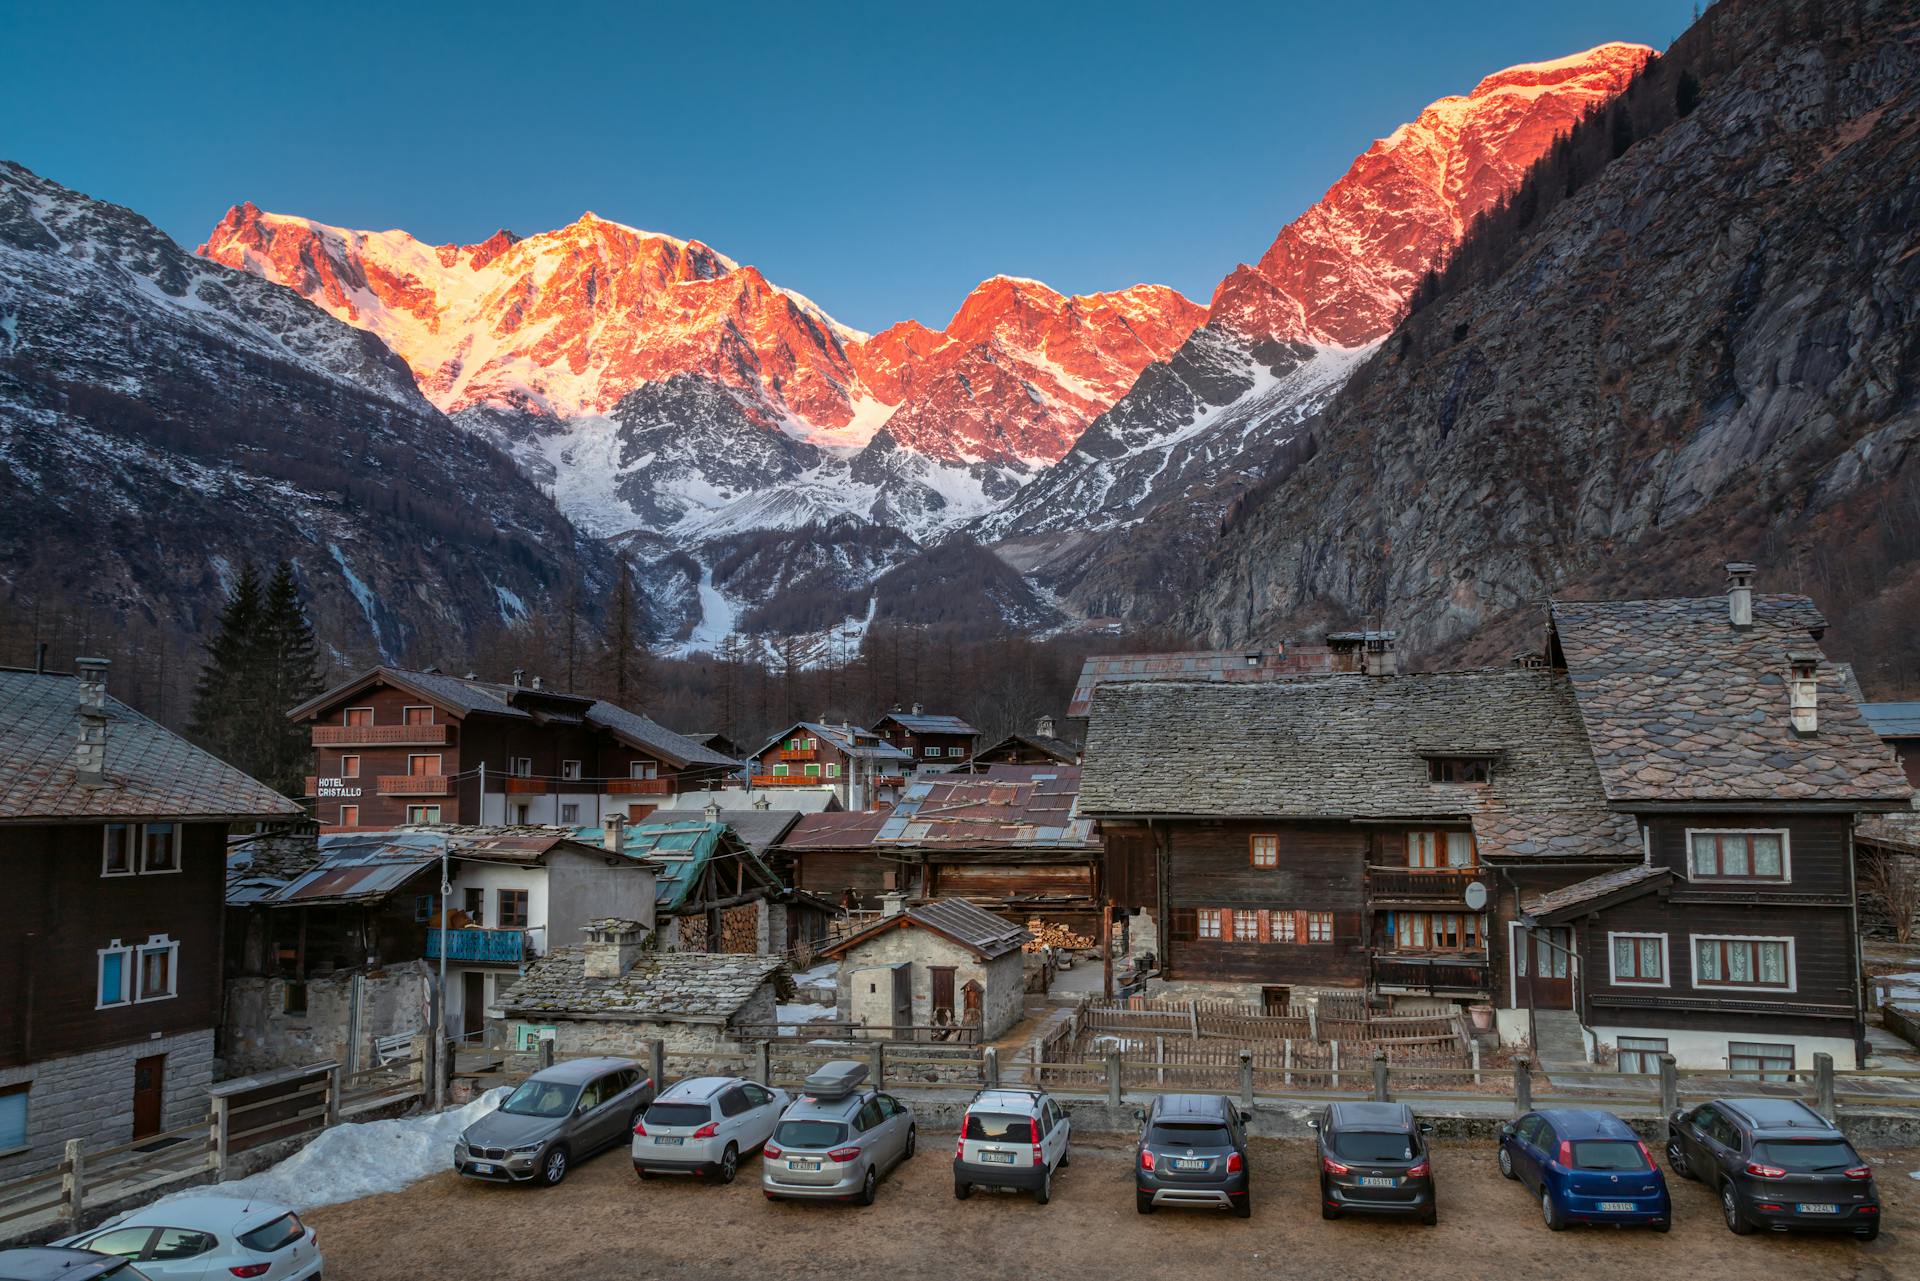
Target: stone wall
260, 1035
630, 1039
90, 1096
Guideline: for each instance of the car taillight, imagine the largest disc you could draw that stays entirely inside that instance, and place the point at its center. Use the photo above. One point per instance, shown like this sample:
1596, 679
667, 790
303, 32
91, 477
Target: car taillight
1868, 1209
1146, 1159
1234, 1163
1760, 1171
1033, 1134
1332, 1166
843, 1155
1860, 1172
640, 1128
1566, 1153
707, 1131
1645, 1155
251, 1269
960, 1148
1420, 1171
771, 1149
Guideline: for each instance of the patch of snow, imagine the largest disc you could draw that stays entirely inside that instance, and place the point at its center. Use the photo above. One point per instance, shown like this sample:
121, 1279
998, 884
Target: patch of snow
512, 608
827, 975
361, 593
717, 620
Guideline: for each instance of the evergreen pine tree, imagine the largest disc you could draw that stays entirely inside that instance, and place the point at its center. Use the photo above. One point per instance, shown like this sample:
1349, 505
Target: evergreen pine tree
1686, 94
625, 660
220, 697
289, 675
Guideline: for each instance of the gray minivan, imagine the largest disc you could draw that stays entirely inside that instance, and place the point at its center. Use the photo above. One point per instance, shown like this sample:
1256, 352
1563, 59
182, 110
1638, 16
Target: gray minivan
837, 1140
558, 1116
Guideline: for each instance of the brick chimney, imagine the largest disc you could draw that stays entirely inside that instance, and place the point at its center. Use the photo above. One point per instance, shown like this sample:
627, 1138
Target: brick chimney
1803, 692
1045, 728
1740, 593
90, 751
613, 945
614, 833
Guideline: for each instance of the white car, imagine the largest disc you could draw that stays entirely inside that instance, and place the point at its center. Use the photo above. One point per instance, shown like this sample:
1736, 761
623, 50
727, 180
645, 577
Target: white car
703, 1126
1012, 1138
210, 1236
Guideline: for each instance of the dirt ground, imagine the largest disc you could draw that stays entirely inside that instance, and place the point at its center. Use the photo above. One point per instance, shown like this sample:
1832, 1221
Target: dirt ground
602, 1222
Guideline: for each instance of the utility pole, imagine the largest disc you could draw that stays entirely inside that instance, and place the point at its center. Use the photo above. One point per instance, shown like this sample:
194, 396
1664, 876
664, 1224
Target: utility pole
440, 1006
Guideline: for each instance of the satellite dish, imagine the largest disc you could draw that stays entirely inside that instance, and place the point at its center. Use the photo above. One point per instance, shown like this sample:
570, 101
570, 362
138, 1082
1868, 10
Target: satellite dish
1476, 896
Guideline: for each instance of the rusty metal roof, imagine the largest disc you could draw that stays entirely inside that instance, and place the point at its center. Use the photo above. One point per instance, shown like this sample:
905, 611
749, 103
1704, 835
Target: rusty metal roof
1197, 665
834, 830
1030, 808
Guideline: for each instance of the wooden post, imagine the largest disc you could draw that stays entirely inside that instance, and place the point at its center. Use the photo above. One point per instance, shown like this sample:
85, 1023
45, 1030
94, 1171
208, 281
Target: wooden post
1113, 1078
217, 1120
1246, 1078
990, 1067
1380, 1076
1473, 1048
1159, 1058
1669, 1087
1193, 1018
1522, 1084
657, 1062
332, 1115
1106, 951
73, 1185
1823, 1085
1286, 1061
546, 1055
879, 1055
766, 1063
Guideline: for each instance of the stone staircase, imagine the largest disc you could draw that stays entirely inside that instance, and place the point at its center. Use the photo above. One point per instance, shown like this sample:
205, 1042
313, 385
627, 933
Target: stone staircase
1561, 1042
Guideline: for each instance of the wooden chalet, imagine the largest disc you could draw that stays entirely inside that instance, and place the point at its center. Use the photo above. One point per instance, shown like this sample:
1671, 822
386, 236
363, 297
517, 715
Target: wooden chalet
856, 766
832, 855
1042, 747
714, 892
394, 747
930, 739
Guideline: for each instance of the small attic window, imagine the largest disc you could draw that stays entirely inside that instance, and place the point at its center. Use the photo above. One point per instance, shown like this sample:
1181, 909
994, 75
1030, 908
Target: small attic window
1459, 769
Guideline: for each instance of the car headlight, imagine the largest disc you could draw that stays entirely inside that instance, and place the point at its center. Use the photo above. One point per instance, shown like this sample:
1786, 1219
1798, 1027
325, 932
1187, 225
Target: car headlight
528, 1150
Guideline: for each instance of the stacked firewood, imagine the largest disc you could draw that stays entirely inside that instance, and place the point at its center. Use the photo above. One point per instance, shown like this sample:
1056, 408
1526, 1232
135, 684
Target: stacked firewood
1058, 937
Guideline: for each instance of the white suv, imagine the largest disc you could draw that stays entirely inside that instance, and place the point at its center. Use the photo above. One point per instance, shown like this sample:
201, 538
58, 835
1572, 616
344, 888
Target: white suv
1011, 1138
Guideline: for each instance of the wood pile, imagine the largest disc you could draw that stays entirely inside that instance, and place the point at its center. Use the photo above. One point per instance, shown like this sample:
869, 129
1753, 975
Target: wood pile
1061, 938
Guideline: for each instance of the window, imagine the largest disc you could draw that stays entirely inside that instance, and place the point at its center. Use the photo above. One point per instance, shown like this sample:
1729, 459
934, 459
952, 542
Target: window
275, 1236
180, 1243
513, 909
349, 816
426, 814
476, 904
570, 813
349, 767
813, 771
1459, 769
1641, 1053
423, 766
416, 716
293, 998
1210, 922
1264, 849
1319, 927
126, 1243
158, 957
13, 1116
1439, 849
1755, 1061
1763, 964
116, 854
521, 766
931, 751
116, 975
1639, 959
357, 716
647, 769
1280, 927
570, 770
160, 847
1436, 931
833, 770
956, 751
780, 771
1738, 856
1246, 926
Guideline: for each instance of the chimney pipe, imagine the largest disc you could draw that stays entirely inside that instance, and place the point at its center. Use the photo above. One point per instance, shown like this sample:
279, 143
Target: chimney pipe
90, 752
761, 802
711, 811
919, 708
1740, 593
1804, 693
614, 835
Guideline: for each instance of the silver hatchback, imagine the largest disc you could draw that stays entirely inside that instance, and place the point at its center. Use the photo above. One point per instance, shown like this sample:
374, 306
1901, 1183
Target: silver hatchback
837, 1139
558, 1116
704, 1125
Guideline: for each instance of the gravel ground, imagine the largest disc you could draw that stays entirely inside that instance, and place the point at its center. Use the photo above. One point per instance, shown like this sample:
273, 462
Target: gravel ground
604, 1223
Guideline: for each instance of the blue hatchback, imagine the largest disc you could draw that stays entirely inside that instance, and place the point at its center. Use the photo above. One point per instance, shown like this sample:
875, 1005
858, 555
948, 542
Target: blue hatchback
1587, 1167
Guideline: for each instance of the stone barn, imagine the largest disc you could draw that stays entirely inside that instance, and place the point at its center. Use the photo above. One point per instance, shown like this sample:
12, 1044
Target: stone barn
932, 966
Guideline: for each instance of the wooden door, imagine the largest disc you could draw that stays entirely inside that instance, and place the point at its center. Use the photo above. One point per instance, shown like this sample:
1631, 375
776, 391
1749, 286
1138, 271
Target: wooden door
1546, 967
902, 996
473, 1004
149, 1094
942, 977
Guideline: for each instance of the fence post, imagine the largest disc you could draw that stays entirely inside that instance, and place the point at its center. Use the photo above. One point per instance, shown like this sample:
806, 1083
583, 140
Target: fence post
1522, 1083
332, 1115
990, 1067
766, 1063
1823, 1085
1113, 1078
73, 1189
1669, 1086
1159, 1058
879, 1055
1336, 1063
546, 1055
1475, 1052
657, 1062
1379, 1076
1286, 1062
1246, 1078
217, 1140
1313, 1020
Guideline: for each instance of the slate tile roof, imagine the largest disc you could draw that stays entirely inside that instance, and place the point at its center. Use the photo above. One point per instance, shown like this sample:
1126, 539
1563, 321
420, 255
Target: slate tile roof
1899, 832
1058, 748
979, 931
661, 986
1893, 720
1681, 706
927, 723
1196, 665
151, 772
1594, 888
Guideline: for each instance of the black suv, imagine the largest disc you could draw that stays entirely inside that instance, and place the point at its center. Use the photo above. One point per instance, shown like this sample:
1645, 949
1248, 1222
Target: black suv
1373, 1159
1777, 1164
1193, 1151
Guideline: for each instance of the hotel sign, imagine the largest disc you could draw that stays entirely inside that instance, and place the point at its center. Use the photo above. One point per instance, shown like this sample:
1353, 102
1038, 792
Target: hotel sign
343, 789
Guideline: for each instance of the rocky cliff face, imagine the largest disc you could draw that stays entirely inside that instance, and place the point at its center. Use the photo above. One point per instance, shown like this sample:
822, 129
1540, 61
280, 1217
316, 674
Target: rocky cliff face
163, 418
1706, 353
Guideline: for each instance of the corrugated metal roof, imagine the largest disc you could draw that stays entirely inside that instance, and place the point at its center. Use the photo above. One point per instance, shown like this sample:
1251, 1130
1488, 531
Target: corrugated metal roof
971, 811
1893, 720
682, 852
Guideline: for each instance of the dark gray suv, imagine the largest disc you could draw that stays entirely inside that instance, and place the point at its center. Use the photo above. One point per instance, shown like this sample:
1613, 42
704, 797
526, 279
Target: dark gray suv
1192, 1152
1777, 1164
557, 1116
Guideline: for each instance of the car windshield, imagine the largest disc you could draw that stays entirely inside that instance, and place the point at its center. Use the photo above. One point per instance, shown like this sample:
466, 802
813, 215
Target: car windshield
1607, 1154
276, 1234
1191, 1134
541, 1098
809, 1134
679, 1114
1372, 1145
1807, 1156
998, 1125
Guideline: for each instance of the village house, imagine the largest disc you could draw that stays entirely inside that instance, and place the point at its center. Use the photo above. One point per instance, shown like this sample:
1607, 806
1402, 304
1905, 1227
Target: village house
395, 747
713, 894
832, 855
1042, 747
115, 833
929, 739
613, 994
1898, 725
760, 827
856, 767
1342, 652
917, 971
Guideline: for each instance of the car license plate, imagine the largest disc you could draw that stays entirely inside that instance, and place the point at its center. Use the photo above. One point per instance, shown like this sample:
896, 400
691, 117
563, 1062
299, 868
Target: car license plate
1376, 1181
482, 1167
998, 1158
1827, 1208
1189, 1163
669, 1140
1616, 1205
803, 1165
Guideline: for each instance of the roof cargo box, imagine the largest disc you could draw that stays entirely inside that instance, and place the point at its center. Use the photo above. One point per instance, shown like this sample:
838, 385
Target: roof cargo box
836, 1080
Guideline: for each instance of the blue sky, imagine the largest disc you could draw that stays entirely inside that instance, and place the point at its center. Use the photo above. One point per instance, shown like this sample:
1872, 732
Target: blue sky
881, 159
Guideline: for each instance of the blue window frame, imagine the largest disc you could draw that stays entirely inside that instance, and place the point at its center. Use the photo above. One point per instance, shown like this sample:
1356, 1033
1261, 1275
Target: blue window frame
13, 1116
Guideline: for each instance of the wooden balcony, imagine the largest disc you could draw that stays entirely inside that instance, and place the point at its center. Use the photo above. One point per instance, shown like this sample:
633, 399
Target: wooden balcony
797, 754
889, 780
1438, 974
1434, 885
639, 787
791, 780
480, 947
413, 785
526, 786
380, 735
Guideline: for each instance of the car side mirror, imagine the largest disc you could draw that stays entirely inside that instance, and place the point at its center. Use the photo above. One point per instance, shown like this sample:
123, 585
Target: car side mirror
1426, 1127
1140, 1114
1313, 1125
1245, 1116
1506, 1129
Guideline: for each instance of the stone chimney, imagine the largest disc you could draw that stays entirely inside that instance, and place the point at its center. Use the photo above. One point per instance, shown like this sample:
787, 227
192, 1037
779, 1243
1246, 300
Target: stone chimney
1740, 593
1345, 647
538, 683
90, 751
919, 708
519, 677
1803, 692
614, 834
1045, 728
892, 903
1381, 659
613, 945
761, 802
711, 811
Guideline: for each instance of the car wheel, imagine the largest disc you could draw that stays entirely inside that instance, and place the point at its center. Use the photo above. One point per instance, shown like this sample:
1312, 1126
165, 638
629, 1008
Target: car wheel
644, 1174
1143, 1202
1066, 1157
1044, 1193
1243, 1207
868, 1186
729, 1163
961, 1191
1506, 1164
1432, 1216
1869, 1234
554, 1168
1551, 1213
1677, 1159
1661, 1226
1326, 1194
912, 1136
1730, 1209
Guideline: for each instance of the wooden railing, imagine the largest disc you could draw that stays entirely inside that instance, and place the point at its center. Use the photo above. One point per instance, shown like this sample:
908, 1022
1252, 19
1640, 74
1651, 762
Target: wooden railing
797, 754
1420, 884
639, 786
790, 780
379, 735
525, 786
1464, 972
413, 785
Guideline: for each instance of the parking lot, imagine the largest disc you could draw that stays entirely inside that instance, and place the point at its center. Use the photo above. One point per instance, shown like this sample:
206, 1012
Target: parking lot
604, 1223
